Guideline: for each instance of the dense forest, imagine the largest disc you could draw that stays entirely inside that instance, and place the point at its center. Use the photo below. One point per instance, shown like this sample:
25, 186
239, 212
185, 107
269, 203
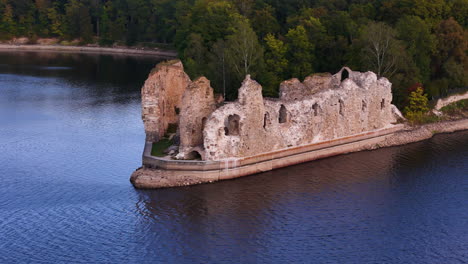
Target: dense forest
412, 42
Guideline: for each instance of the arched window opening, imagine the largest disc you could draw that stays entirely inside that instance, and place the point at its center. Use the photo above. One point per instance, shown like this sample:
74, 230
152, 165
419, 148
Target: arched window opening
316, 108
341, 107
232, 126
344, 75
382, 104
364, 106
194, 155
283, 115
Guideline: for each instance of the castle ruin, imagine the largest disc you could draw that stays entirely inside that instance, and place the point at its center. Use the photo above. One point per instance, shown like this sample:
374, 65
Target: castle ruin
321, 108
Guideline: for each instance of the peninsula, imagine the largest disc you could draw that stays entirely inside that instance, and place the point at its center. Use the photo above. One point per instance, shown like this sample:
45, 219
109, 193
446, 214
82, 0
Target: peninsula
207, 139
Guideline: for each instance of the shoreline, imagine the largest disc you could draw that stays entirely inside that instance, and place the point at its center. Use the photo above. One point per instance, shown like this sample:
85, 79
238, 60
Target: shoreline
151, 178
165, 54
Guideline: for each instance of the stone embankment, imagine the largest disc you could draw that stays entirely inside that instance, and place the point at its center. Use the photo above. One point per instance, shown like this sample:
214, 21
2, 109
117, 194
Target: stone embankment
164, 54
147, 177
448, 100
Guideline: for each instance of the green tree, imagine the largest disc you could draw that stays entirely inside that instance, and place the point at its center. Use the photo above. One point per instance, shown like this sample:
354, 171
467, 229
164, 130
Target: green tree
264, 21
418, 105
56, 22
276, 64
195, 56
7, 26
420, 43
301, 52
78, 20
450, 58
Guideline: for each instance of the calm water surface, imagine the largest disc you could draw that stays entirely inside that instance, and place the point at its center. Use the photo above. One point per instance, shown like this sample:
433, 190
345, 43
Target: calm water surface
71, 135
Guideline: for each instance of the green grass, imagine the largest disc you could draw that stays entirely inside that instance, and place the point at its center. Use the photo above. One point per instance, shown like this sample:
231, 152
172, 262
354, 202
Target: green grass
455, 107
158, 148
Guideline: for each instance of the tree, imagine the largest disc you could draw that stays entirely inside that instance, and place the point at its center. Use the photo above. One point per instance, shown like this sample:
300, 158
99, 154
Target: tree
418, 105
450, 59
420, 43
243, 49
264, 21
194, 56
219, 73
7, 25
78, 20
276, 64
381, 50
301, 52
56, 22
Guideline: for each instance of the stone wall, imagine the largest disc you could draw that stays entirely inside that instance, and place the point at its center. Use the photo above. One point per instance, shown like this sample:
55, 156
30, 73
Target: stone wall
161, 98
198, 102
321, 108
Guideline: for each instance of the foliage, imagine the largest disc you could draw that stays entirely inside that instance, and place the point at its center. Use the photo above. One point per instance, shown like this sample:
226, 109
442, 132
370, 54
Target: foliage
159, 147
455, 107
418, 105
407, 41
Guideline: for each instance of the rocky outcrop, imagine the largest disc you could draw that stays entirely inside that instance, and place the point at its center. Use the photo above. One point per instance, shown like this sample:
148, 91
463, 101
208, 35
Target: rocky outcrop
161, 98
198, 102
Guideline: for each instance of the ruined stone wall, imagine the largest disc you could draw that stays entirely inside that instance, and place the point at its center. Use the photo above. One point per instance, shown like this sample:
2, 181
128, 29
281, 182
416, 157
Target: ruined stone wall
198, 102
323, 107
161, 98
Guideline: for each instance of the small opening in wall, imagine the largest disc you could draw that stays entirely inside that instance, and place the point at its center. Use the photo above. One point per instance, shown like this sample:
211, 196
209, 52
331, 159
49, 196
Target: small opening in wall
364, 106
203, 123
232, 125
341, 107
163, 108
316, 108
283, 115
344, 75
177, 110
266, 120
382, 104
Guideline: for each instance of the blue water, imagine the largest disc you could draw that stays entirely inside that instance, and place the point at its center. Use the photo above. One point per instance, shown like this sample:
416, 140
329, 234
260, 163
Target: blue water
71, 135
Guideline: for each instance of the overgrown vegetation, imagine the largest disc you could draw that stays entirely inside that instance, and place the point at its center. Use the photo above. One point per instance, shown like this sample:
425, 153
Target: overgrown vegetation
455, 108
409, 41
159, 147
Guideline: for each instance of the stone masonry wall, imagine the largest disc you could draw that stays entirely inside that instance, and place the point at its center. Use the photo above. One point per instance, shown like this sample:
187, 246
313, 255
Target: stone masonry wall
321, 108
161, 98
198, 102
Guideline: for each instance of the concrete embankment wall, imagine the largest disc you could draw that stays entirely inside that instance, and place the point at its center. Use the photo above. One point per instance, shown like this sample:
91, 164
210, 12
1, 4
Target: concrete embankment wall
451, 99
164, 54
147, 177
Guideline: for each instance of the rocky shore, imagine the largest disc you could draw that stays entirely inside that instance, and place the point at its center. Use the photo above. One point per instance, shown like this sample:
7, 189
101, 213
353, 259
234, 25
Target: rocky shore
164, 54
414, 134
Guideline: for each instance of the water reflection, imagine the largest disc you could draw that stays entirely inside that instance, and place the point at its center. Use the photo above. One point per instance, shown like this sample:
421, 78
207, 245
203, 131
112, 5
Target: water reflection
362, 200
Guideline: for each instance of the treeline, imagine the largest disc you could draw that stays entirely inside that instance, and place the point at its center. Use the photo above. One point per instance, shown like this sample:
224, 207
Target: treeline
411, 42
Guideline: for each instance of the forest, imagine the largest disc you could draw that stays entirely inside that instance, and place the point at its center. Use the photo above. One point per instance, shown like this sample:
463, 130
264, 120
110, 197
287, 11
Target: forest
414, 43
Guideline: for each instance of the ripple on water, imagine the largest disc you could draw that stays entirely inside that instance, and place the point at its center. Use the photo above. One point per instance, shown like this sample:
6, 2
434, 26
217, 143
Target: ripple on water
68, 148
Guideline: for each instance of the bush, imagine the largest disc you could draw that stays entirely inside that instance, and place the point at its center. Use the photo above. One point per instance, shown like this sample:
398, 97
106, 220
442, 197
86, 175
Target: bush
416, 111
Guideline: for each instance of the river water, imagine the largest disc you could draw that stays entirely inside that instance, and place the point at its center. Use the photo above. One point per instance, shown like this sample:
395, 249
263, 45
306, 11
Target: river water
71, 135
